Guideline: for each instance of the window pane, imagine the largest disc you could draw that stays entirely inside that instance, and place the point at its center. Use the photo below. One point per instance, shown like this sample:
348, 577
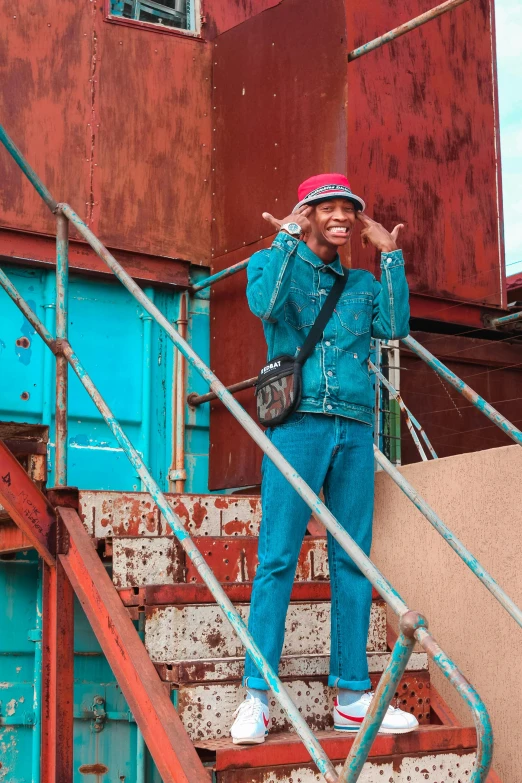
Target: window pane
169, 13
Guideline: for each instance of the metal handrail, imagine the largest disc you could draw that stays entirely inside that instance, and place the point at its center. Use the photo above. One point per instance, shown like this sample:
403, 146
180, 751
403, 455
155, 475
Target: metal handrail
412, 625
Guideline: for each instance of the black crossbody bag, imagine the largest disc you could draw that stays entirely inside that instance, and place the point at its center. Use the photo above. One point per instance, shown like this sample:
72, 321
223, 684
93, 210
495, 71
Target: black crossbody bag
278, 387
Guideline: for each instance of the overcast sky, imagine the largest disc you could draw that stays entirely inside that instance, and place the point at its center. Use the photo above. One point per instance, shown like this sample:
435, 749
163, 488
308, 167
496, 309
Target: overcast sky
509, 60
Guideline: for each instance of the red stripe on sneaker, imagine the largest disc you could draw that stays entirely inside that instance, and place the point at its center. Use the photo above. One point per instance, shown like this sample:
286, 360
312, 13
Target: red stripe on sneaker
266, 721
349, 717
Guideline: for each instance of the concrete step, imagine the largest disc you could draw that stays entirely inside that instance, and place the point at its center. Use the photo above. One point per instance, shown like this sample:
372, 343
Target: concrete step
207, 709
437, 754
160, 560
108, 514
201, 632
290, 666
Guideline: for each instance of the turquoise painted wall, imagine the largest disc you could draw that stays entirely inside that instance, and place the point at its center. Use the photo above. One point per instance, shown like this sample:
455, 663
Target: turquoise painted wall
123, 351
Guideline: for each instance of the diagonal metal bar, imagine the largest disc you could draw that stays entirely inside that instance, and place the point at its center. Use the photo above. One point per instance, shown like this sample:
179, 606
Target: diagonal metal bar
228, 272
479, 402
382, 699
397, 397
29, 172
404, 28
455, 543
27, 505
166, 738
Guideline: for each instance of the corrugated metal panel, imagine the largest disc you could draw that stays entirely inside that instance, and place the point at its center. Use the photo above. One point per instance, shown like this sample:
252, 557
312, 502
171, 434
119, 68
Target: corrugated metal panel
122, 354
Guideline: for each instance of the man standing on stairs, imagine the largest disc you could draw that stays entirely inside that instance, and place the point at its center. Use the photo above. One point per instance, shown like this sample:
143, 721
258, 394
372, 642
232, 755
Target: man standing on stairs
328, 440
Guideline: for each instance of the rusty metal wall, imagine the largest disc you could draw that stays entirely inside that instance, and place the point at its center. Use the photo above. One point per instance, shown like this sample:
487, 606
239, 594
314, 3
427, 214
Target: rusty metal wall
422, 144
221, 15
454, 426
116, 120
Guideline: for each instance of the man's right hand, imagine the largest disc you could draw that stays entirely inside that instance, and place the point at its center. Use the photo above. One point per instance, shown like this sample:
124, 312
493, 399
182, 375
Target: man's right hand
300, 217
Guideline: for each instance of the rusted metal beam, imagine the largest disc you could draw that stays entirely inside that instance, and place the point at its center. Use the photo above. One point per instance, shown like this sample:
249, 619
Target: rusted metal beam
197, 399
27, 506
165, 736
57, 676
404, 28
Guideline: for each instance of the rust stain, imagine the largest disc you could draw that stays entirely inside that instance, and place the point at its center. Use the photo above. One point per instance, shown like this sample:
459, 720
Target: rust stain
93, 769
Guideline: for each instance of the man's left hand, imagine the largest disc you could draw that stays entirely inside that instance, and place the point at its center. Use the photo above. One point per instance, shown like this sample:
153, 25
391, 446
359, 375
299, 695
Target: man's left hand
372, 233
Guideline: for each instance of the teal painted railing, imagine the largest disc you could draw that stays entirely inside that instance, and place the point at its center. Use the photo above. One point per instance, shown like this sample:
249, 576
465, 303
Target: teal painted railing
413, 627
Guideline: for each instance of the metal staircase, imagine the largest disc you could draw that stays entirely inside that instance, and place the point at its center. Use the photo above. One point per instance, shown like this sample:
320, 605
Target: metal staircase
54, 526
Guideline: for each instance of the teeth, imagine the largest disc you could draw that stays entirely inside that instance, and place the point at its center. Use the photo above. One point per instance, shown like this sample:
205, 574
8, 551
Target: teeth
339, 230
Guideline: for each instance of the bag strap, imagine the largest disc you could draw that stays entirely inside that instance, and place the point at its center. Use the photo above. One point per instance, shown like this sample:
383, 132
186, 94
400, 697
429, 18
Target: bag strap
318, 327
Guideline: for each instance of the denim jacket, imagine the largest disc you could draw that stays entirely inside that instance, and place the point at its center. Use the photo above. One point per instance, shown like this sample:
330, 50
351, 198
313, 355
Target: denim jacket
287, 285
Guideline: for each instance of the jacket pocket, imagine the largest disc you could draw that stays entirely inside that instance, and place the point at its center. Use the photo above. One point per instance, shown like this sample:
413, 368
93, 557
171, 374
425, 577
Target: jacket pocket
300, 309
355, 313
355, 385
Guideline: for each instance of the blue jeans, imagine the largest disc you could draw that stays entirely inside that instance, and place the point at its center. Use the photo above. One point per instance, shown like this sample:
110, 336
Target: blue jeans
334, 453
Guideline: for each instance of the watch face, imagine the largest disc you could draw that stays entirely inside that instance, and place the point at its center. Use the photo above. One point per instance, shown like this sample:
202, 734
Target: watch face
294, 228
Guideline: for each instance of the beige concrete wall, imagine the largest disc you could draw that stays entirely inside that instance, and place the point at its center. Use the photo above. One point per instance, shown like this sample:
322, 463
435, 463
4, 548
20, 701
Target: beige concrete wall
479, 497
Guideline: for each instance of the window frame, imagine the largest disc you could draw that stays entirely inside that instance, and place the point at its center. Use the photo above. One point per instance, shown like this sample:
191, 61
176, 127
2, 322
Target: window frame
156, 28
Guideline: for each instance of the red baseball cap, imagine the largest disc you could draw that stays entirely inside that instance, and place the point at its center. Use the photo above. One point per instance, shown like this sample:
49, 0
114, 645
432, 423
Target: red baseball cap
326, 186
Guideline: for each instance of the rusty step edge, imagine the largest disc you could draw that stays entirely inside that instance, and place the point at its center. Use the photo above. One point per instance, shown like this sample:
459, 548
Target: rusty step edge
198, 593
285, 748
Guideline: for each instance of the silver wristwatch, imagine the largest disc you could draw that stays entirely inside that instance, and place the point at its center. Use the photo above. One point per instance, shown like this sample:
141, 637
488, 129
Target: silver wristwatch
292, 228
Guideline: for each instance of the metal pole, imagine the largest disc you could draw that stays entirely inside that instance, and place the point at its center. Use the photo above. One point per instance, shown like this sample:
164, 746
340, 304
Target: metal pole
198, 399
146, 394
31, 175
472, 699
382, 699
179, 474
396, 396
457, 545
466, 391
404, 28
506, 320
208, 281
36, 744
62, 295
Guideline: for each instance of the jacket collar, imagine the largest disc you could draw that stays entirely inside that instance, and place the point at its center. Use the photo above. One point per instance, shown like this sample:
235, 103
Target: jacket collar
308, 255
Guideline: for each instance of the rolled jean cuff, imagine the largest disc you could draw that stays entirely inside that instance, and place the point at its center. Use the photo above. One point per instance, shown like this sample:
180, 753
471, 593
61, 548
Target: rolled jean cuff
350, 685
257, 683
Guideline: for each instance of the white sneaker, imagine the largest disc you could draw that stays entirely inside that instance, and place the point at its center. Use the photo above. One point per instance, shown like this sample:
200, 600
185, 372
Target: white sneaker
349, 718
251, 722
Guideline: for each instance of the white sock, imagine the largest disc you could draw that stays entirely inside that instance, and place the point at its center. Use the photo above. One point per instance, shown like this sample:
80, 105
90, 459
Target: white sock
345, 697
258, 694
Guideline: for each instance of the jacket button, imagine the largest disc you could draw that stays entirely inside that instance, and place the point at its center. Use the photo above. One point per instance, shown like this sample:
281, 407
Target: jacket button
329, 407
328, 343
330, 373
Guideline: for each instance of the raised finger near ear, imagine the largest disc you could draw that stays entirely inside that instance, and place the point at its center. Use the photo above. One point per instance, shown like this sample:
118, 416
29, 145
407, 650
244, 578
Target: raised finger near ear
272, 220
364, 218
395, 231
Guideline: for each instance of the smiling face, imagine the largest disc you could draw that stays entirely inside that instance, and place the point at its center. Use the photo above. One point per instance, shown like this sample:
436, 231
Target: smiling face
332, 223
